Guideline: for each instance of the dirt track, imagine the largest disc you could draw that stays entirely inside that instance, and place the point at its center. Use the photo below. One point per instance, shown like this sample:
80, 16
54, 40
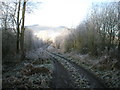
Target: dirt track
66, 74
62, 76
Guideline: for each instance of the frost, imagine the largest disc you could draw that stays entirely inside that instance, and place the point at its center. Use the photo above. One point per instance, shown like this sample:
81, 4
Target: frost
34, 72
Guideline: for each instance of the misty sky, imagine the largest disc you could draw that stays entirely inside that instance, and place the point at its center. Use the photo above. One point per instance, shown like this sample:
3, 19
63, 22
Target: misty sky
67, 13
60, 12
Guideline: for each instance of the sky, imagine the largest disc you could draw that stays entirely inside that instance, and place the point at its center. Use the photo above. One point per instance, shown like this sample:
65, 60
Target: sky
53, 13
67, 13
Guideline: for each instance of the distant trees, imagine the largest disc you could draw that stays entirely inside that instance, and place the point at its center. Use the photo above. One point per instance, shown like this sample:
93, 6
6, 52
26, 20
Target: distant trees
98, 34
12, 22
31, 41
105, 20
8, 43
8, 11
11, 19
7, 21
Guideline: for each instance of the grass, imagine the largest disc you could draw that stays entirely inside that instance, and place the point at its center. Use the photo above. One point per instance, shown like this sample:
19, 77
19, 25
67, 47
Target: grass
31, 73
103, 67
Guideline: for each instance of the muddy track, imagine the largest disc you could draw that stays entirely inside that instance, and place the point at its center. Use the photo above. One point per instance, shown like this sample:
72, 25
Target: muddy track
94, 81
61, 77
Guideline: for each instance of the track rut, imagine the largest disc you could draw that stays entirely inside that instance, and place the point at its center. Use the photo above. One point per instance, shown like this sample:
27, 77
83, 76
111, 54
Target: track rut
60, 71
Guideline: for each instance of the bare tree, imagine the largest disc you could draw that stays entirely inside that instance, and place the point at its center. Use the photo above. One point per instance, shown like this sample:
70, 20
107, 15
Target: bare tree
23, 29
119, 28
18, 26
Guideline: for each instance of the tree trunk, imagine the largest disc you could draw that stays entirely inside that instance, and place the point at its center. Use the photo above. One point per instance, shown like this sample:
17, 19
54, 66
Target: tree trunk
119, 29
22, 31
18, 27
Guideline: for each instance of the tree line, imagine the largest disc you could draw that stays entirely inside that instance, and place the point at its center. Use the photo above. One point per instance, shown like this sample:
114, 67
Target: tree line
15, 40
98, 34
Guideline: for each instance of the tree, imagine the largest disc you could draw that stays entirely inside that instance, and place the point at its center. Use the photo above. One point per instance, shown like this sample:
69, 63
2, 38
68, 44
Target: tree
23, 29
97, 35
119, 29
18, 26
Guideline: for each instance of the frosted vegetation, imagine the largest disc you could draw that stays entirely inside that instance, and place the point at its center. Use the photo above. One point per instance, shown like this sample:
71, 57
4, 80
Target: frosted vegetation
94, 44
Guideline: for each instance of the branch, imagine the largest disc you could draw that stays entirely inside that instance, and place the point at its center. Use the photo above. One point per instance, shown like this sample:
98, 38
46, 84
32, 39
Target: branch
14, 31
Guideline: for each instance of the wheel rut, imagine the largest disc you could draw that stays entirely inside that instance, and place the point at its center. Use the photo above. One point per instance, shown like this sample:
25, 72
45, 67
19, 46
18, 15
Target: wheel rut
63, 78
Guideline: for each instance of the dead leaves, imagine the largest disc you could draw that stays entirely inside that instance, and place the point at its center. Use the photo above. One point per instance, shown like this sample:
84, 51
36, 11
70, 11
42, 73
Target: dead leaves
29, 69
28, 75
